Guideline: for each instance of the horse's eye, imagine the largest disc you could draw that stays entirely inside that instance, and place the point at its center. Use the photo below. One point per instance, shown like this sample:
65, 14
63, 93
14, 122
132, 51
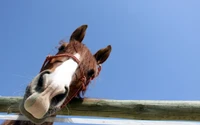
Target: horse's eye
91, 72
61, 48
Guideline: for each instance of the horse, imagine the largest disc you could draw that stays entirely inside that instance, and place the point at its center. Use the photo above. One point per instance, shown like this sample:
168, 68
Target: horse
63, 77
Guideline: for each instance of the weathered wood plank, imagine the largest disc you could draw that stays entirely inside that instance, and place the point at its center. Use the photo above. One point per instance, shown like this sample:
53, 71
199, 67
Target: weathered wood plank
130, 109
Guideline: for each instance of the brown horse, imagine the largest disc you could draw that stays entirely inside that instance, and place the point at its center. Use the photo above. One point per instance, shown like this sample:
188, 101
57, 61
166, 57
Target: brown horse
62, 77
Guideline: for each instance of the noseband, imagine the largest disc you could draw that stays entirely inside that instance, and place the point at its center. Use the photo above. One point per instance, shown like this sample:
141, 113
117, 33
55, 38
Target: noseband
83, 79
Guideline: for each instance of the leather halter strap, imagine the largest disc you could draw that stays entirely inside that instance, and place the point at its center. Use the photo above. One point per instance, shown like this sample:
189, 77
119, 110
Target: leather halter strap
83, 79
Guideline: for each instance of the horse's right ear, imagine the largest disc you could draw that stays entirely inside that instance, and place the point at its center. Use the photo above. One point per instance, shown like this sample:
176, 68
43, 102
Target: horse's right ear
102, 55
79, 34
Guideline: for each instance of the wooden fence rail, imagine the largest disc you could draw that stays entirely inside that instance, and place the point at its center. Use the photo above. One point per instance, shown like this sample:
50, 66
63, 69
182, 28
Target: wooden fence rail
129, 109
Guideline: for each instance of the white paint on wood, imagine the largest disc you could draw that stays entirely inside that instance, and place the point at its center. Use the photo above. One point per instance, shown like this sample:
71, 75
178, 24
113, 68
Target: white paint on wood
101, 121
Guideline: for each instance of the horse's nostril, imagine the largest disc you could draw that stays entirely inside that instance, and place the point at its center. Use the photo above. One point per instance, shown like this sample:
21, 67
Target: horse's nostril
40, 84
58, 98
66, 90
41, 81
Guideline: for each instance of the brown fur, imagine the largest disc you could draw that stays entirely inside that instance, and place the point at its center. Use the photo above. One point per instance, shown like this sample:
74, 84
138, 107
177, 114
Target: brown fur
88, 62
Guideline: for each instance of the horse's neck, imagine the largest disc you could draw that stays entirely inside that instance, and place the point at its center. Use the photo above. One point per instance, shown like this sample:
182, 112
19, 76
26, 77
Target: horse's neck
16, 122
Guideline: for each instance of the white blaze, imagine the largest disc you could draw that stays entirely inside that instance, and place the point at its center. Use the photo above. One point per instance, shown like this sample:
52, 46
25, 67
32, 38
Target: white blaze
62, 75
38, 103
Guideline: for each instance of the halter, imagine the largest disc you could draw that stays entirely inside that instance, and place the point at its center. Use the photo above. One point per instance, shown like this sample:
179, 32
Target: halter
83, 79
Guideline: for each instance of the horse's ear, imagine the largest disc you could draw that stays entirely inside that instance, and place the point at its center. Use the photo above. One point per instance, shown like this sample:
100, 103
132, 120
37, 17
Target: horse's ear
79, 33
102, 55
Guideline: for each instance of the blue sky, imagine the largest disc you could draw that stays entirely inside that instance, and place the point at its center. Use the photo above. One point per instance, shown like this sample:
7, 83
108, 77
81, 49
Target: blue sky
155, 43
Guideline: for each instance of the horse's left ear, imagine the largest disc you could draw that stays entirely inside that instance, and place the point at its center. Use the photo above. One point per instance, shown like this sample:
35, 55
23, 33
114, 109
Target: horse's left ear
102, 55
79, 34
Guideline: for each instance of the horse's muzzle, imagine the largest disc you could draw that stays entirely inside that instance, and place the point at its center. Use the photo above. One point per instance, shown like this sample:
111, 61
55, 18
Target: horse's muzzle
42, 95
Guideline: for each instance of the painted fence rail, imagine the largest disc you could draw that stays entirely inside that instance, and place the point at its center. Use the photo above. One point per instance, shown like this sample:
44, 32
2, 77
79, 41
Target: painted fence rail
129, 109
101, 121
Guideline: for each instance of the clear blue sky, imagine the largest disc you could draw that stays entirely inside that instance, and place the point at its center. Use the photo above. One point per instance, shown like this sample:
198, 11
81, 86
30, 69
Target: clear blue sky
156, 45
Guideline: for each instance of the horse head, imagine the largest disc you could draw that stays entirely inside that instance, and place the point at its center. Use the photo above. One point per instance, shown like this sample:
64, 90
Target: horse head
62, 77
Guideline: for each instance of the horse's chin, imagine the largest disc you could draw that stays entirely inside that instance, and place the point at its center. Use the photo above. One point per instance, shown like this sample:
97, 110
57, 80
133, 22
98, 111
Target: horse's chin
29, 104
29, 116
50, 112
33, 119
